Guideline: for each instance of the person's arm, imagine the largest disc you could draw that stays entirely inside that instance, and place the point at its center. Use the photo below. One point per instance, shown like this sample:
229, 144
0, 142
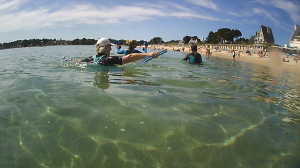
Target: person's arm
89, 59
200, 58
121, 51
186, 57
137, 56
136, 51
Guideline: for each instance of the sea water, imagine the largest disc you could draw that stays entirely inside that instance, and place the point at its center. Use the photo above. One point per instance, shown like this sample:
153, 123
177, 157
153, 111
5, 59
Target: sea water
160, 114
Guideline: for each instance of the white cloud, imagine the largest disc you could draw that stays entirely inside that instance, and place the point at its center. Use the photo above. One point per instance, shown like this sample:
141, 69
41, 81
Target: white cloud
269, 16
211, 5
263, 12
91, 15
292, 8
8, 5
204, 3
251, 21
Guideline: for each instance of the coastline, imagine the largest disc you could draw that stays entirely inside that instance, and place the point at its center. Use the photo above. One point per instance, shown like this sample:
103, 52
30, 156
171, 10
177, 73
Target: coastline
272, 60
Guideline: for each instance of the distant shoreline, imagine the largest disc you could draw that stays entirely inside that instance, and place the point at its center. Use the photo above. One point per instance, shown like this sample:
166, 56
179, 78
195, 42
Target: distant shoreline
273, 60
45, 46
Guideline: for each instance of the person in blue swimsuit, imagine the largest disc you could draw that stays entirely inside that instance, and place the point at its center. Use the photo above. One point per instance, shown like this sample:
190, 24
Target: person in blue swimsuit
193, 57
132, 44
103, 48
117, 43
146, 46
233, 55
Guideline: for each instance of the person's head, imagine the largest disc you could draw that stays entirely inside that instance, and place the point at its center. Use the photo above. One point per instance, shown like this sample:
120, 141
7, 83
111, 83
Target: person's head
194, 47
103, 46
132, 44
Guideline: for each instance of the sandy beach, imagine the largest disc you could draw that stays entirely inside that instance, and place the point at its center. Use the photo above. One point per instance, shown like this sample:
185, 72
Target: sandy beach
272, 60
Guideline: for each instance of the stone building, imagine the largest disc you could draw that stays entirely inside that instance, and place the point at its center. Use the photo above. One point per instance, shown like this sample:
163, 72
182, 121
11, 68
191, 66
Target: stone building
264, 36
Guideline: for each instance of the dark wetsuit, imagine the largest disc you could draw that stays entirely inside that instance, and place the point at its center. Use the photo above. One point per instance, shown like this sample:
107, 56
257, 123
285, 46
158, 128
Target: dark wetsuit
102, 59
193, 57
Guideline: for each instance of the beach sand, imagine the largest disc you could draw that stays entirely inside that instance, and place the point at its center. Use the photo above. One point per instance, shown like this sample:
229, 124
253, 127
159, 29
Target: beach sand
272, 60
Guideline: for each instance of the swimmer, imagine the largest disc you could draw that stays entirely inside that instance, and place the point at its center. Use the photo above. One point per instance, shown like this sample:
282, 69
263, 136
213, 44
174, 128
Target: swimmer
233, 56
103, 48
132, 44
193, 57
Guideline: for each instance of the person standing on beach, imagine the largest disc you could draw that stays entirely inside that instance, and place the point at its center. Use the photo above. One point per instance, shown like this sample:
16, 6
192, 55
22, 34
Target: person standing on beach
193, 57
208, 52
132, 44
103, 48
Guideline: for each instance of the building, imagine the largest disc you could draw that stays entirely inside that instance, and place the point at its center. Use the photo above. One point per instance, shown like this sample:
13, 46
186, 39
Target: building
192, 41
181, 42
295, 39
264, 36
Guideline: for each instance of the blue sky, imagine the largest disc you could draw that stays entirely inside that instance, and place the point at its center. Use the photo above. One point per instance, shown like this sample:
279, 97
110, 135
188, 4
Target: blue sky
143, 20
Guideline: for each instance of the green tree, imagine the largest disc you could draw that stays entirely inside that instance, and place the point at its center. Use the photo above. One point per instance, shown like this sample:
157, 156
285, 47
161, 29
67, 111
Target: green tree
173, 42
74, 42
35, 42
25, 43
251, 40
141, 42
45, 41
6, 45
224, 34
235, 34
213, 38
83, 41
122, 42
156, 40
242, 41
186, 39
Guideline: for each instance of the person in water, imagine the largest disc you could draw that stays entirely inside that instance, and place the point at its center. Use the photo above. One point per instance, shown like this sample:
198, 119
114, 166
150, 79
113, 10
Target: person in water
233, 55
176, 49
103, 48
146, 46
193, 57
132, 44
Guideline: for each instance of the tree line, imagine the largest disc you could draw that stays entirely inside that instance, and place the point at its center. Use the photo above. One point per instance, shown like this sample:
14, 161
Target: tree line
222, 36
46, 42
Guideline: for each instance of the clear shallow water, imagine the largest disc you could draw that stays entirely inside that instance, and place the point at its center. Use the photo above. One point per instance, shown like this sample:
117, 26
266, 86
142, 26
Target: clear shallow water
166, 113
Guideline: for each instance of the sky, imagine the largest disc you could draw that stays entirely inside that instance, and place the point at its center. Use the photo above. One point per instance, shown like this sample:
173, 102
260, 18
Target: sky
144, 20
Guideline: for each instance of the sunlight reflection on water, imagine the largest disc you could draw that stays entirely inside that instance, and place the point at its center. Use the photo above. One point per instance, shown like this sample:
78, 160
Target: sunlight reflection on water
165, 113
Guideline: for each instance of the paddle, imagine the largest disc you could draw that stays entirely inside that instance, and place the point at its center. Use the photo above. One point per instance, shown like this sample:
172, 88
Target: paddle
150, 57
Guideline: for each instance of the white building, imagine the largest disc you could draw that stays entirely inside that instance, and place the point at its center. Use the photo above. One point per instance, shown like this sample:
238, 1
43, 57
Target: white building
295, 39
193, 41
181, 42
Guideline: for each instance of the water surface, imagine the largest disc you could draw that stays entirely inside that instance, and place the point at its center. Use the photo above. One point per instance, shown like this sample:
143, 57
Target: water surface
162, 114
